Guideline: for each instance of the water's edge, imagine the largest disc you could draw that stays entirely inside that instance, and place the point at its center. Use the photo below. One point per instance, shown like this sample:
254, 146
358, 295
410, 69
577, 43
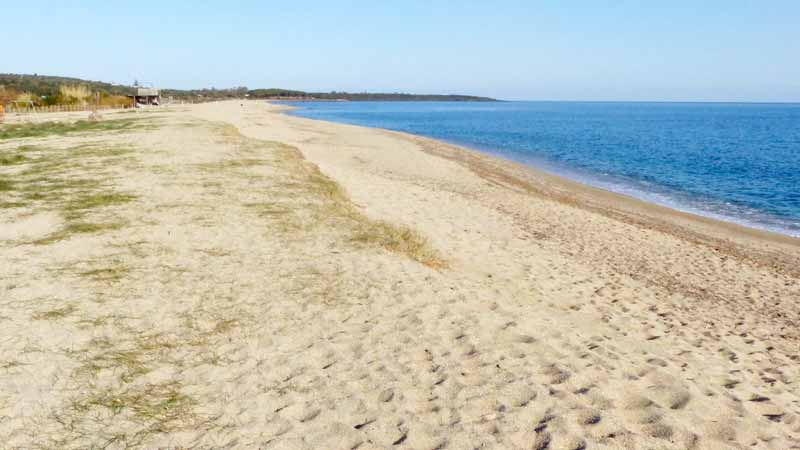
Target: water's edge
584, 178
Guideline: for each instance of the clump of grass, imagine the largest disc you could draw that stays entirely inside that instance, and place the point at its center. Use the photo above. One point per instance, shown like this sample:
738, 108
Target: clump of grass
324, 185
6, 185
99, 342
224, 326
163, 407
233, 164
77, 206
283, 216
83, 227
75, 228
54, 314
9, 205
6, 365
108, 274
12, 160
127, 363
97, 321
155, 343
98, 151
398, 239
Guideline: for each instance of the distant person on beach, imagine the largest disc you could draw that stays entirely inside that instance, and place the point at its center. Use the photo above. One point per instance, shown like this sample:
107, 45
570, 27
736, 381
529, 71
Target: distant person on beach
2, 114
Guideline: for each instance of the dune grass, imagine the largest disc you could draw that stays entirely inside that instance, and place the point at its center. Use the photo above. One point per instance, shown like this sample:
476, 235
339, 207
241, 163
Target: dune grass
12, 160
398, 239
160, 404
76, 228
55, 313
77, 206
44, 129
73, 181
112, 273
305, 199
365, 231
123, 391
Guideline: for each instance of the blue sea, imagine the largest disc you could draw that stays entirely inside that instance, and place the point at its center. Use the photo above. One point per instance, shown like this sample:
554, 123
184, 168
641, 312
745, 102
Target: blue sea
738, 162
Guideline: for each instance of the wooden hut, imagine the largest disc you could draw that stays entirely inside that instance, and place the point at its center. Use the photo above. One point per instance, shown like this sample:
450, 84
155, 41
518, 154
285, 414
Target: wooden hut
146, 96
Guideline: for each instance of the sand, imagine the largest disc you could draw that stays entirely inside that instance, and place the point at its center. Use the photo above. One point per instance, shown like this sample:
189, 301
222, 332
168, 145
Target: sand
227, 276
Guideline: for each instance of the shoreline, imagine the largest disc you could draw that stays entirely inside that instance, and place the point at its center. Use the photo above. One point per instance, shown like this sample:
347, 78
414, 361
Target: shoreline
563, 189
630, 190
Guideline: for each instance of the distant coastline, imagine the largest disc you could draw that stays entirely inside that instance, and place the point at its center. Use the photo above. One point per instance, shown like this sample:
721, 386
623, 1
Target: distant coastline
37, 87
378, 97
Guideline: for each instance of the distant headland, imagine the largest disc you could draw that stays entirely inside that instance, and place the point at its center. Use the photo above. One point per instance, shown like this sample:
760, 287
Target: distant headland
46, 90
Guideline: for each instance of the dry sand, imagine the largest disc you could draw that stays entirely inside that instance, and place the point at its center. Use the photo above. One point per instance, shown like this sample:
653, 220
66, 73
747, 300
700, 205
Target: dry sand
195, 281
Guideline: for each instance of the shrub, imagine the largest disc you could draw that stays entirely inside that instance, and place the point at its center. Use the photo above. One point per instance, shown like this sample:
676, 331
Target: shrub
7, 95
75, 94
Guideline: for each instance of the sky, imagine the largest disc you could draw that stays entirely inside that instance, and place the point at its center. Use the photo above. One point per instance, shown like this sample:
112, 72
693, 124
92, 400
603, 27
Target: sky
644, 50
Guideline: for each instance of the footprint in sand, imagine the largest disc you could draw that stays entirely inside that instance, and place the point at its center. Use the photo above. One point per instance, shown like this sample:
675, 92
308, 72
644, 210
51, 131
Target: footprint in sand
672, 397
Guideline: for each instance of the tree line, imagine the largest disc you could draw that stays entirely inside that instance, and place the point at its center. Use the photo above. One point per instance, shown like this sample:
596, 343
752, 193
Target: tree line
45, 90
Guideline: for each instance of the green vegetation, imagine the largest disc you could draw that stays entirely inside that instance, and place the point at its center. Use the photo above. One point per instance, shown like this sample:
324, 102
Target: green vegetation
75, 207
126, 396
74, 228
288, 94
399, 97
50, 90
55, 314
162, 405
12, 160
28, 130
110, 274
72, 181
397, 239
304, 199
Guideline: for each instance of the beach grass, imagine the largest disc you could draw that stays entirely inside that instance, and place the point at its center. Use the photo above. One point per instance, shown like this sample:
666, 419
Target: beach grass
55, 313
304, 199
74, 181
161, 404
112, 273
76, 228
12, 160
76, 207
398, 239
45, 129
336, 205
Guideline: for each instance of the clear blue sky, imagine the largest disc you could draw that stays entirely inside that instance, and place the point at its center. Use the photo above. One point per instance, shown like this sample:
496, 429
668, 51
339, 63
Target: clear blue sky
569, 50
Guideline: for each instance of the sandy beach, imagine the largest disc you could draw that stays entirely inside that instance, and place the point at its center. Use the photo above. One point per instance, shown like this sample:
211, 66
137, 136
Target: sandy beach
224, 275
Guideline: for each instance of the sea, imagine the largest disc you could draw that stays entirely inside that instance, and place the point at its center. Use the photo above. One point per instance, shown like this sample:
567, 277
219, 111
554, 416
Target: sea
738, 162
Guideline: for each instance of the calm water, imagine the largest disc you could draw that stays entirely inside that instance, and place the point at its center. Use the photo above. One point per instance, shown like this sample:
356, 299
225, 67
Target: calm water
736, 162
